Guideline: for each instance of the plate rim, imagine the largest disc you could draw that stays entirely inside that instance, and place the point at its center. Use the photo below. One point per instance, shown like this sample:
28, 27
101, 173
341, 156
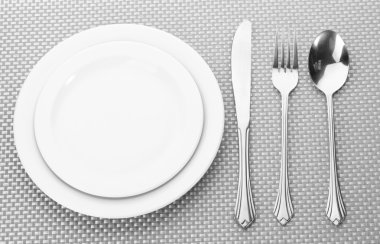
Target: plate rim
118, 209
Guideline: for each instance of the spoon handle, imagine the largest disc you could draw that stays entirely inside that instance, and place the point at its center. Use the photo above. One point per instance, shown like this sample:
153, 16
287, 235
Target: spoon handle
244, 208
283, 209
335, 209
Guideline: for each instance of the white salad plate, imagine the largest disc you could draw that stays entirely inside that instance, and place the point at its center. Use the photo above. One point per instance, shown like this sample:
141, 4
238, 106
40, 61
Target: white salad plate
121, 207
118, 119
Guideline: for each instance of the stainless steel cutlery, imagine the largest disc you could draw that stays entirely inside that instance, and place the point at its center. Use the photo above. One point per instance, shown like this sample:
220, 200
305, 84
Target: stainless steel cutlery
285, 79
241, 81
328, 66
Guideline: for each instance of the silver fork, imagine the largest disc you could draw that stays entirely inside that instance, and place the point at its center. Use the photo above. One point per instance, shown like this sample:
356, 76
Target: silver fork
285, 79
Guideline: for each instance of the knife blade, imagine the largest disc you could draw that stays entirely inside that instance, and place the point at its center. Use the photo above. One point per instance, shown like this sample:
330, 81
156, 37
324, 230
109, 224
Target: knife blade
241, 72
241, 82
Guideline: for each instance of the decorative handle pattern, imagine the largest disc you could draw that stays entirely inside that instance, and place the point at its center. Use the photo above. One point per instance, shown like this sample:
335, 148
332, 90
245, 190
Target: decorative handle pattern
244, 208
283, 209
335, 209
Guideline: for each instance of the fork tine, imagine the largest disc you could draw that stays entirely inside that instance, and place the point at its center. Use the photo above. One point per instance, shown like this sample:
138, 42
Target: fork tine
295, 59
283, 55
288, 62
275, 62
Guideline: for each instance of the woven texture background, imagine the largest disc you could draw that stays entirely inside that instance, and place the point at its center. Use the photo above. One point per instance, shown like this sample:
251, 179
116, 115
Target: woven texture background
204, 215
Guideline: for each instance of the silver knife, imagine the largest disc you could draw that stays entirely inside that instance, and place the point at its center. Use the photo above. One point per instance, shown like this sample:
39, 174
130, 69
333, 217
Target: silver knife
241, 82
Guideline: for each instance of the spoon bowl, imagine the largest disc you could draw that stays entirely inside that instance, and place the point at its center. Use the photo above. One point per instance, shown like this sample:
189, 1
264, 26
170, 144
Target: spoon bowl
328, 62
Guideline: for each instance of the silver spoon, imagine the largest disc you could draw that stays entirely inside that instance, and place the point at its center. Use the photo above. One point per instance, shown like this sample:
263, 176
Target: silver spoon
328, 67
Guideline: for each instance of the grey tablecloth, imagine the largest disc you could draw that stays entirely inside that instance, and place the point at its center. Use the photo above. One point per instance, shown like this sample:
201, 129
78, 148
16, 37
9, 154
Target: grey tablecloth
204, 215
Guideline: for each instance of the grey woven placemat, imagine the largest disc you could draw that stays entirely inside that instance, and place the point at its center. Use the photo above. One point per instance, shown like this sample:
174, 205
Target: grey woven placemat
204, 215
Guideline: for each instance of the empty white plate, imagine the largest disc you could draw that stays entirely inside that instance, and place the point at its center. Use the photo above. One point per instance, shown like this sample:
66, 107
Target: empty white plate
118, 119
104, 207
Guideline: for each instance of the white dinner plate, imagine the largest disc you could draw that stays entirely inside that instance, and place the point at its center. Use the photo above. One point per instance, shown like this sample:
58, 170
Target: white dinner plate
118, 119
153, 200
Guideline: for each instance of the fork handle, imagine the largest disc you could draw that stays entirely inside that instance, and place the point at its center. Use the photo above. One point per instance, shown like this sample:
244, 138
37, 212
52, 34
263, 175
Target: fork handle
335, 210
244, 208
283, 209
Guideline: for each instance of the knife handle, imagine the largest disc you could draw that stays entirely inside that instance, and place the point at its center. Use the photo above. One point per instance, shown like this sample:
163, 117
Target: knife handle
244, 208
